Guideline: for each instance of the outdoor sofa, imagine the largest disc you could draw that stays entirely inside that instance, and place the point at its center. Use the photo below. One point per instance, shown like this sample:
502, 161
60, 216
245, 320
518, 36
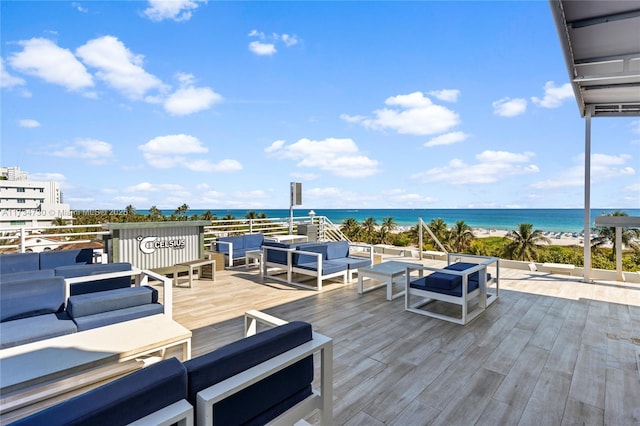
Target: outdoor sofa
237, 246
265, 378
325, 260
33, 309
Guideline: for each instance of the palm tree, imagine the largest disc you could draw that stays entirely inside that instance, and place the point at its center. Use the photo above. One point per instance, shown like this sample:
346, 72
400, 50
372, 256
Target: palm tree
460, 236
388, 225
155, 214
440, 229
181, 212
525, 242
208, 215
251, 214
369, 230
350, 227
606, 235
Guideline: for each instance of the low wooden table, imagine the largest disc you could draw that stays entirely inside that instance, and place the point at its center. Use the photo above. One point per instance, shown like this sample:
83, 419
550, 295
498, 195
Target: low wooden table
386, 272
207, 270
41, 370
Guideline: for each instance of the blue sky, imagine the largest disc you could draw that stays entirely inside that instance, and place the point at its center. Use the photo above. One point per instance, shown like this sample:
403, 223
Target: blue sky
220, 105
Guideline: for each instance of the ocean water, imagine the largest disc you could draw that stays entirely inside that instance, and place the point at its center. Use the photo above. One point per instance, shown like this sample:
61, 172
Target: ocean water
554, 220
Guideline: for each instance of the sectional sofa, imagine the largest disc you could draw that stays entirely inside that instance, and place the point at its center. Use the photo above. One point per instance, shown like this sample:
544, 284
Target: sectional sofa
326, 260
266, 377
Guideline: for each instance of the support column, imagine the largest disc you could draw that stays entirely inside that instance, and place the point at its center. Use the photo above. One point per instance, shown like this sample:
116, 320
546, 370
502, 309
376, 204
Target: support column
618, 243
587, 197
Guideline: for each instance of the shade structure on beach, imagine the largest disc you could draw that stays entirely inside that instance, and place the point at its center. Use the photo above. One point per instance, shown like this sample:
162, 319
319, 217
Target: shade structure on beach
600, 41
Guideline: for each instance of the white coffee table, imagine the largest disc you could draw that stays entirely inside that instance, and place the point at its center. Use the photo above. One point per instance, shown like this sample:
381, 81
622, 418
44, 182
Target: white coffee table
253, 257
387, 273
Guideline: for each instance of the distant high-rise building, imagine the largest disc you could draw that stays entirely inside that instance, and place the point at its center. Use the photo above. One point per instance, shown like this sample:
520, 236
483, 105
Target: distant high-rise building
29, 203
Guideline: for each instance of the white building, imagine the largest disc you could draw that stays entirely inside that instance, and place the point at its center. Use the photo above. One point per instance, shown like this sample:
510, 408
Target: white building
29, 203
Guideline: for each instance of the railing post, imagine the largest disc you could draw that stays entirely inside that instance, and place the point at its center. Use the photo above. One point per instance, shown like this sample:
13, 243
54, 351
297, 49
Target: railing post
420, 237
23, 239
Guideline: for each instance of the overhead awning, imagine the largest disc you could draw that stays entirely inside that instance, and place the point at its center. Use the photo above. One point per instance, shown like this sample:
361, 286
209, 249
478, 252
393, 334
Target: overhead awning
600, 40
601, 45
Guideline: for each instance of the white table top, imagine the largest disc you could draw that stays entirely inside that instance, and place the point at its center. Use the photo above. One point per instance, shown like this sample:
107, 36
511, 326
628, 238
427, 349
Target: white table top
388, 268
288, 238
65, 354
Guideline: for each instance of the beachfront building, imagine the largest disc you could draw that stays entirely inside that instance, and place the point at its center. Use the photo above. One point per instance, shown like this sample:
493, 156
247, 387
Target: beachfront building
29, 203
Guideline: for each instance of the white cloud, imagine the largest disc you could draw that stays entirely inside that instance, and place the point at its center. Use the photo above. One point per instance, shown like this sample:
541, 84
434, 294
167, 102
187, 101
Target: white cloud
170, 151
149, 187
189, 99
447, 95
266, 46
507, 107
47, 177
603, 167
415, 115
263, 49
79, 7
6, 79
177, 10
29, 123
491, 167
447, 139
404, 198
93, 150
119, 67
554, 96
44, 59
635, 127
340, 157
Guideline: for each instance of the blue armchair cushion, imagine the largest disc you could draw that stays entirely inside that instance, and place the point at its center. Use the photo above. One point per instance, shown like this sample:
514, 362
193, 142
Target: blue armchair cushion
337, 250
237, 242
276, 256
112, 317
32, 329
121, 401
461, 266
19, 262
266, 399
21, 299
253, 241
353, 262
302, 259
73, 271
425, 284
111, 300
27, 275
328, 266
55, 258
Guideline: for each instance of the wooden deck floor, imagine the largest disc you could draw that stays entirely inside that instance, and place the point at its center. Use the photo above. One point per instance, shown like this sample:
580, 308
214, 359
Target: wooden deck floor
551, 351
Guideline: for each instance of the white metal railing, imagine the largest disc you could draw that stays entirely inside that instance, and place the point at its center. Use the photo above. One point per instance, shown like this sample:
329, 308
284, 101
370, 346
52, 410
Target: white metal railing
39, 238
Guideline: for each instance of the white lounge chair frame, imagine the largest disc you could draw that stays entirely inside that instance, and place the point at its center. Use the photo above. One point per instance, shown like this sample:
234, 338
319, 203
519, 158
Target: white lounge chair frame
485, 298
180, 413
321, 399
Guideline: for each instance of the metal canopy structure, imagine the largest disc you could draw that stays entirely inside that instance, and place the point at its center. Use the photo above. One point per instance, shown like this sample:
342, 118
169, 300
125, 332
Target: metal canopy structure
600, 40
601, 45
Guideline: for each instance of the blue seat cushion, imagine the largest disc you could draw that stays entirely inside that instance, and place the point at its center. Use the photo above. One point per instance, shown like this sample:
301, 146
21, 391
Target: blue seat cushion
462, 266
266, 399
32, 329
53, 259
111, 300
239, 253
21, 299
299, 259
73, 271
426, 283
111, 317
337, 250
353, 262
121, 401
328, 266
27, 275
19, 262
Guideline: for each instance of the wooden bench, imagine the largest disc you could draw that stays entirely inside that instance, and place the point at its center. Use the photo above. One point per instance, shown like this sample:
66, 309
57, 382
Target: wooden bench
559, 267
